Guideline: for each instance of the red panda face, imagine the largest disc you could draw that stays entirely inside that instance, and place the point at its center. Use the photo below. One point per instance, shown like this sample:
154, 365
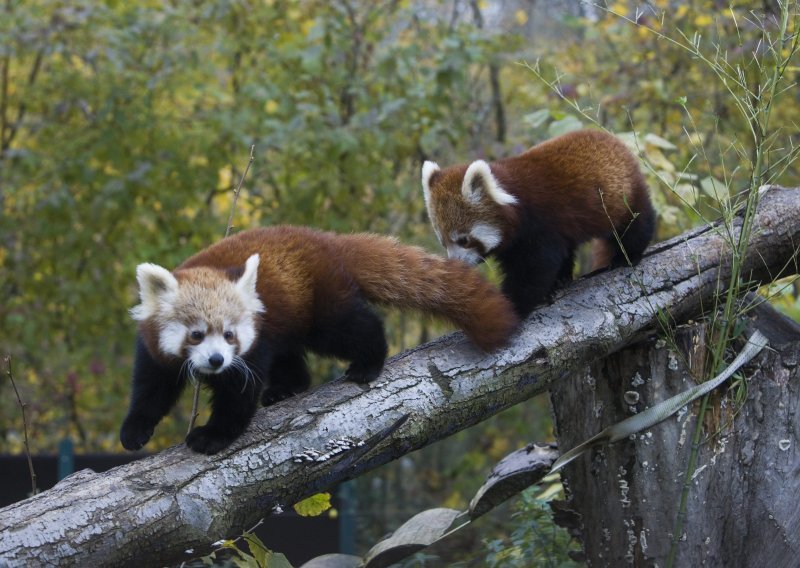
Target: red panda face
200, 315
465, 208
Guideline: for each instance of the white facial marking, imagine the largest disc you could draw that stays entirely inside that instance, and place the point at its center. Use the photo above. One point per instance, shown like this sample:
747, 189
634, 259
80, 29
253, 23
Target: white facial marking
468, 255
487, 235
157, 290
478, 180
212, 344
172, 337
245, 332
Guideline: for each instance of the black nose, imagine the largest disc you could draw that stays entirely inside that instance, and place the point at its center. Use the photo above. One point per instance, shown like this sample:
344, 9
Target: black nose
216, 360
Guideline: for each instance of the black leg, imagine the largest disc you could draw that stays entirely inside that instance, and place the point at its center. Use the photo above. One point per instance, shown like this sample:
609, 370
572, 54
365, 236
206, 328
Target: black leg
634, 237
567, 268
234, 400
354, 334
288, 376
155, 390
532, 267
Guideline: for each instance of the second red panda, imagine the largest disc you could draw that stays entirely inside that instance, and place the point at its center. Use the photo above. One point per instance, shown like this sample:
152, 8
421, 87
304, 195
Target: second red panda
241, 314
530, 211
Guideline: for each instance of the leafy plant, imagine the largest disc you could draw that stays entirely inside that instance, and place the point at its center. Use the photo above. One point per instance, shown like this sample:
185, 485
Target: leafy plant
536, 540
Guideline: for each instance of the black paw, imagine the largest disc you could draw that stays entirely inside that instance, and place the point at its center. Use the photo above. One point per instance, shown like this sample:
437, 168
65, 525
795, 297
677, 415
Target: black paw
204, 440
362, 375
272, 395
134, 435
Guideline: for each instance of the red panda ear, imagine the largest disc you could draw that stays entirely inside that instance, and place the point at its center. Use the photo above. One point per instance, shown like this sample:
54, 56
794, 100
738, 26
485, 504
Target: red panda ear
479, 181
428, 169
157, 286
246, 285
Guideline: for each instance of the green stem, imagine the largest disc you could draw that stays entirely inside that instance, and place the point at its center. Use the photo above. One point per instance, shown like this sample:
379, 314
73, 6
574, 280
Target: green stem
758, 119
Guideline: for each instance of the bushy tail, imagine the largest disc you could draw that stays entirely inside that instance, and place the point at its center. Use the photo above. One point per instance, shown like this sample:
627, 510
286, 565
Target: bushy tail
391, 273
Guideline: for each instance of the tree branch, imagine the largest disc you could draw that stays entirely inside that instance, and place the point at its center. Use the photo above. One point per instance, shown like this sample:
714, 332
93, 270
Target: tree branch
152, 510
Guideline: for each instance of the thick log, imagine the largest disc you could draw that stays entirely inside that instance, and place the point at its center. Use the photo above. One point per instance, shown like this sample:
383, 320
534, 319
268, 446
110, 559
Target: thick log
624, 500
153, 510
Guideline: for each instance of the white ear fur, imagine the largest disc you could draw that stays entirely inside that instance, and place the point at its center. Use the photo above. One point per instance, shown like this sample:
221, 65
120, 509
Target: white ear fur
246, 285
480, 179
428, 169
157, 287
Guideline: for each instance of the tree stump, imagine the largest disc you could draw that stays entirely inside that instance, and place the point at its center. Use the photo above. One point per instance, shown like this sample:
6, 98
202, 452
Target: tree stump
623, 500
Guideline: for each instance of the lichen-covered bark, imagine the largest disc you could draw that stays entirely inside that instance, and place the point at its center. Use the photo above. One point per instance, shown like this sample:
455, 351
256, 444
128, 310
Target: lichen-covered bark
623, 500
152, 510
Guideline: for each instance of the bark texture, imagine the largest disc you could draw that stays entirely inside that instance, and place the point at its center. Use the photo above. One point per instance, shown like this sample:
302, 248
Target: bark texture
623, 499
151, 511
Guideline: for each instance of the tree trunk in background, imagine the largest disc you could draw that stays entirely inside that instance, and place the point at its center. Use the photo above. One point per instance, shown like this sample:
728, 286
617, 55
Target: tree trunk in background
742, 508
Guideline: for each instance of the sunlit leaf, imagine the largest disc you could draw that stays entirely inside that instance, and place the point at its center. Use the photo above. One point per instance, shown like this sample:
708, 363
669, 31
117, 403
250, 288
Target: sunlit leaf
313, 506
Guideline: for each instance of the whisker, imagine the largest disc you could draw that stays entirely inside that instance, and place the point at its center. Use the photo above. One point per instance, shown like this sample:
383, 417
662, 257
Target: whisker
187, 367
254, 368
242, 366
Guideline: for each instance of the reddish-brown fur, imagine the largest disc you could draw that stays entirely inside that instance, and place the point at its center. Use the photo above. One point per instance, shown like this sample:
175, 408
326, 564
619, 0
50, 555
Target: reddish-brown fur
580, 186
582, 181
313, 290
305, 275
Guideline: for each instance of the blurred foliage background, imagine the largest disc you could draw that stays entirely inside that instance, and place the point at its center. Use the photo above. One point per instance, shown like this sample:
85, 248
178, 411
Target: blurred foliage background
124, 127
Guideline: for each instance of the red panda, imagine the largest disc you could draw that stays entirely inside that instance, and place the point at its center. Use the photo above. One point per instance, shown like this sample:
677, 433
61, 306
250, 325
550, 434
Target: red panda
530, 211
243, 312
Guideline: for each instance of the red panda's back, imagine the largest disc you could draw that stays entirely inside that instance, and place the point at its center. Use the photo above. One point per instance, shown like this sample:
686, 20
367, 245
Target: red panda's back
295, 273
582, 182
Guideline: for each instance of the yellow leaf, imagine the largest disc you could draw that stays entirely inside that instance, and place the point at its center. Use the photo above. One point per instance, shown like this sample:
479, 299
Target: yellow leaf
619, 8
454, 501
307, 25
703, 20
224, 176
686, 192
270, 106
521, 17
313, 506
658, 160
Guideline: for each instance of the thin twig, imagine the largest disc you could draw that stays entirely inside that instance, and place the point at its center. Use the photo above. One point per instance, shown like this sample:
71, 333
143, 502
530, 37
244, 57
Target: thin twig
196, 396
22, 405
237, 190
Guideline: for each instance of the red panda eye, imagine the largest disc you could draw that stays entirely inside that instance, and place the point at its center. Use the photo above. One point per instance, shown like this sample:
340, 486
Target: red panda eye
228, 335
198, 335
462, 241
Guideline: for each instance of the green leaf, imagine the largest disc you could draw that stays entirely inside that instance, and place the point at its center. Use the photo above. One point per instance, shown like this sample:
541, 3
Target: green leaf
244, 561
537, 118
257, 548
659, 142
313, 506
713, 187
278, 560
567, 124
